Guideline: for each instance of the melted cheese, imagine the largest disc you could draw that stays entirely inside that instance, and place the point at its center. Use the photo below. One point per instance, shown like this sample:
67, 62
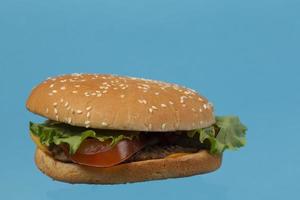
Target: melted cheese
36, 140
175, 155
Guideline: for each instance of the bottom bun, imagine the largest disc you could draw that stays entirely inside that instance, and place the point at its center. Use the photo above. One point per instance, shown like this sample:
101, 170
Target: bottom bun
181, 166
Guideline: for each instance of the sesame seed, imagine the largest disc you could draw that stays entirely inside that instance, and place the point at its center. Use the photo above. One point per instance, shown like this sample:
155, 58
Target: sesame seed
105, 91
66, 104
74, 92
87, 122
55, 110
54, 91
75, 74
93, 94
115, 88
156, 93
182, 99
163, 126
47, 110
63, 88
51, 86
163, 105
61, 100
104, 124
192, 91
145, 85
69, 107
88, 108
142, 101
99, 95
122, 95
88, 114
69, 120
175, 87
78, 111
154, 107
200, 110
54, 104
171, 102
62, 81
200, 99
205, 106
150, 110
50, 94
56, 117
77, 86
149, 126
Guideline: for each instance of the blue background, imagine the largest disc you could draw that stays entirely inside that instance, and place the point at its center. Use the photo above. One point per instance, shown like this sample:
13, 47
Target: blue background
242, 55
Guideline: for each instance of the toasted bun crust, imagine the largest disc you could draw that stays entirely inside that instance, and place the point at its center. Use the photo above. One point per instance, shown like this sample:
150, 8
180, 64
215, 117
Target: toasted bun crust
116, 102
182, 166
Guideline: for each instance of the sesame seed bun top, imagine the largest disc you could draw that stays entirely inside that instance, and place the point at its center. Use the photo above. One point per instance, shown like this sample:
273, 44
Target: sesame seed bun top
117, 102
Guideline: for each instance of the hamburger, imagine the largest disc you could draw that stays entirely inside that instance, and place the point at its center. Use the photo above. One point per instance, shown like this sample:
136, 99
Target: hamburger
109, 129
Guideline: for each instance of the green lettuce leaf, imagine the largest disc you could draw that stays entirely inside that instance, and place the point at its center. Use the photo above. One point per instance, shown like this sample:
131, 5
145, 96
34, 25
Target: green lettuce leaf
227, 133
53, 132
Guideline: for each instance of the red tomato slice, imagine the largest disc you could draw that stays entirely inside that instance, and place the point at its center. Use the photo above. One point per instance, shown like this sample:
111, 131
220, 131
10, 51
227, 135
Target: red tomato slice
94, 153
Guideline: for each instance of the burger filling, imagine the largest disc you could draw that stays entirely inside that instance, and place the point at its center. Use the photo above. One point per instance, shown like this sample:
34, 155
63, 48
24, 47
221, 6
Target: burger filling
107, 148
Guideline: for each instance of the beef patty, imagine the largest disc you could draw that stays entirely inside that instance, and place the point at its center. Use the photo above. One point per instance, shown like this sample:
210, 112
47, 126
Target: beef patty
160, 151
175, 143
